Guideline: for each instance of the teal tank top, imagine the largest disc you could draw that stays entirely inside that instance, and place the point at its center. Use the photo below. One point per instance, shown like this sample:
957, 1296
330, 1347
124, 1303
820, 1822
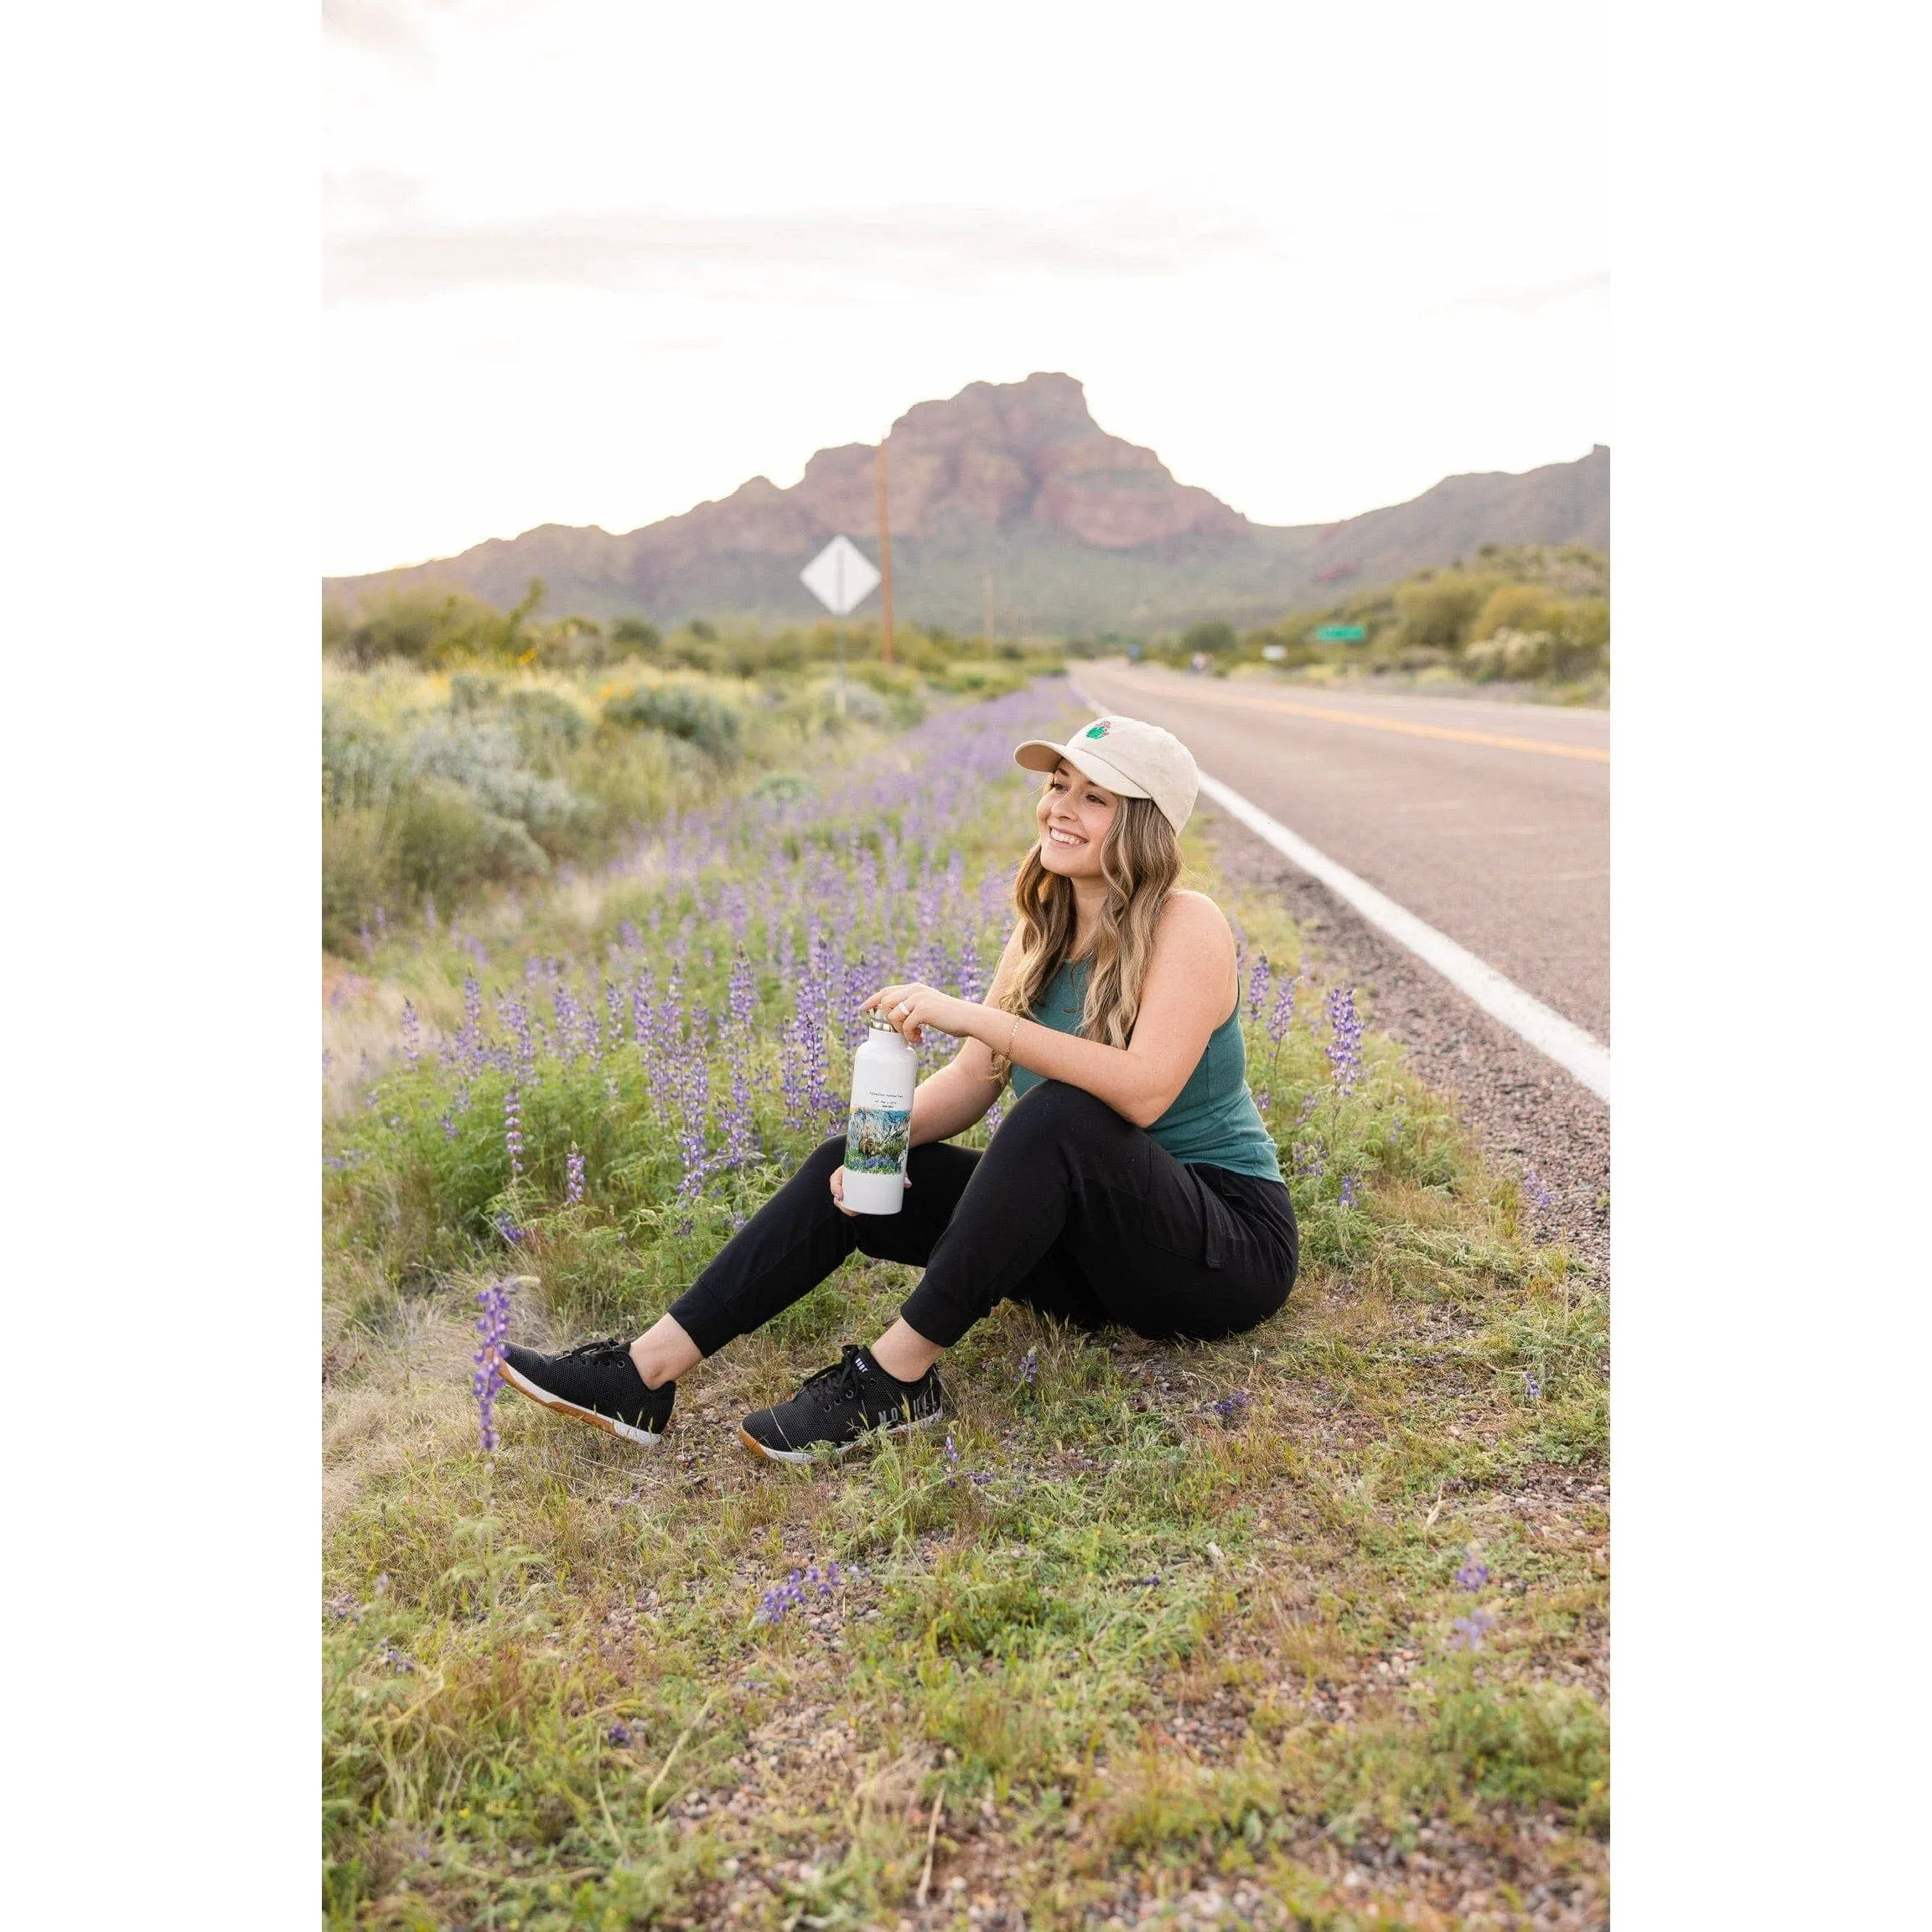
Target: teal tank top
1214, 1121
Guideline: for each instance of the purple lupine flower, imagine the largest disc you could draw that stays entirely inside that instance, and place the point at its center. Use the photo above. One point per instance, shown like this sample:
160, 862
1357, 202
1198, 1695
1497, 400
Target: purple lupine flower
789, 1595
1258, 983
951, 1453
412, 1035
1282, 1016
694, 1100
619, 1734
448, 1128
1532, 1389
628, 937
1539, 1197
743, 992
1030, 1367
493, 1327
1472, 1575
516, 1017
641, 989
1345, 1042
1466, 1633
573, 1189
613, 1013
513, 1129
793, 1082
1230, 1408
568, 1017
1348, 1190
470, 1041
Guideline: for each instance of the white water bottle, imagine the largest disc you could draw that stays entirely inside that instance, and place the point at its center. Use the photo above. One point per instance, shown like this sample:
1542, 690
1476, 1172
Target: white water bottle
884, 1071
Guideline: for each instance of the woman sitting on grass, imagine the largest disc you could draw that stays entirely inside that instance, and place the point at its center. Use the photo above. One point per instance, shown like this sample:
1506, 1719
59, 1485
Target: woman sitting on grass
1132, 1183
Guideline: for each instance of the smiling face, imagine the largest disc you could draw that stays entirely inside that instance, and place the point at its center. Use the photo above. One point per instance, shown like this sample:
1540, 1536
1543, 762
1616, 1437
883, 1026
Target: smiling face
1075, 814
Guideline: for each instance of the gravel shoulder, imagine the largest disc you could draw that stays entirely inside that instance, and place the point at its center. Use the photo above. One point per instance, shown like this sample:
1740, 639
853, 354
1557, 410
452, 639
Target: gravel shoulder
1527, 1110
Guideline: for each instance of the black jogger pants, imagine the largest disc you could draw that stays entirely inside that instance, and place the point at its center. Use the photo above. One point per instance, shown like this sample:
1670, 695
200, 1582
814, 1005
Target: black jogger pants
1072, 1209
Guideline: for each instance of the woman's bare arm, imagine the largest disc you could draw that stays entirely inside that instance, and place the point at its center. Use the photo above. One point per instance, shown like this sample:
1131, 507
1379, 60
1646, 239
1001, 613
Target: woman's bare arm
960, 1093
1190, 990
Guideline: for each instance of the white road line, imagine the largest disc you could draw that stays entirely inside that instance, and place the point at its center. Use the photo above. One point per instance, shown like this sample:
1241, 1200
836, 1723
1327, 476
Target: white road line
1545, 1029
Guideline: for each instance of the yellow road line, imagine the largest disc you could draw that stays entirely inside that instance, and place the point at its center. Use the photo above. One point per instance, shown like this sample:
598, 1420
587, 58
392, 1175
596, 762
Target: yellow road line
1591, 753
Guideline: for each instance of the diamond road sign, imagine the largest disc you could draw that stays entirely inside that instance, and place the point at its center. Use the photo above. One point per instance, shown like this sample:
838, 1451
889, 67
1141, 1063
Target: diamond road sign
840, 576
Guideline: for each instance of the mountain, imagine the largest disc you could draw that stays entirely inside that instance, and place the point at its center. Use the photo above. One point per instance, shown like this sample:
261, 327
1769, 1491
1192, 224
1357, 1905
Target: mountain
1078, 530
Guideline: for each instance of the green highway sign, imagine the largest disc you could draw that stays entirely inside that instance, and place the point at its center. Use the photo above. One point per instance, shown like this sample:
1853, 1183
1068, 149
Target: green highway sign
1339, 633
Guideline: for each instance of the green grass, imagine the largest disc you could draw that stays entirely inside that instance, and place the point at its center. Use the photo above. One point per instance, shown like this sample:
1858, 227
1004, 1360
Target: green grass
1132, 1647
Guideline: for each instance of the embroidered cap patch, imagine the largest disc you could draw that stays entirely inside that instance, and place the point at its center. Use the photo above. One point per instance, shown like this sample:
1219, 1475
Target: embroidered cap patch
1098, 730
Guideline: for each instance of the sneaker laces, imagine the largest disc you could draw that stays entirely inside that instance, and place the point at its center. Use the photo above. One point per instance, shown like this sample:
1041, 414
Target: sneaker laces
606, 1348
836, 1379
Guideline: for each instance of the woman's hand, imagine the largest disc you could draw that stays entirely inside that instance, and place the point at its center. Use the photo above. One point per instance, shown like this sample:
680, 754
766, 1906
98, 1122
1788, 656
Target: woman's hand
838, 1193
913, 1008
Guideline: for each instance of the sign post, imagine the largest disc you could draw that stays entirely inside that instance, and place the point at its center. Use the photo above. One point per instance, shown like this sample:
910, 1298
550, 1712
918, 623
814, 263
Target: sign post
884, 559
841, 577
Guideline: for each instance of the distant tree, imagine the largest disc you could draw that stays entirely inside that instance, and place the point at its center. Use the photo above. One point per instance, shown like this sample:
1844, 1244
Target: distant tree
336, 626
513, 639
1213, 638
703, 632
1511, 606
1437, 613
422, 625
632, 637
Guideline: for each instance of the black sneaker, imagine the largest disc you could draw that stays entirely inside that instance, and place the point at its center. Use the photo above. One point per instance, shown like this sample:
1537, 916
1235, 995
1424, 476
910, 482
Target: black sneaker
598, 1383
834, 1409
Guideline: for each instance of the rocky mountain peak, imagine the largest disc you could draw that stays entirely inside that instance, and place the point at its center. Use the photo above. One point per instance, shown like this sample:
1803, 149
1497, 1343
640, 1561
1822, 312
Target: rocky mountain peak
999, 455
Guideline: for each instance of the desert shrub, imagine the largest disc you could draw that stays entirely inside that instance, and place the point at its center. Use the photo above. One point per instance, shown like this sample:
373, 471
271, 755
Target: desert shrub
1438, 613
694, 716
632, 637
547, 726
428, 626
1519, 607
484, 760
863, 705
1216, 638
899, 685
1506, 653
1580, 637
425, 839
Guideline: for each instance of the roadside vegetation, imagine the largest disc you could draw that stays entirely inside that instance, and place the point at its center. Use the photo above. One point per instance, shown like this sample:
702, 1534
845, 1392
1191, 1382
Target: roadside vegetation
466, 749
1303, 1628
1531, 620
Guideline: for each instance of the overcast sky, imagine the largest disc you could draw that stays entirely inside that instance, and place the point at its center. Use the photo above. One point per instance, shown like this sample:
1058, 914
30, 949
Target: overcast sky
594, 261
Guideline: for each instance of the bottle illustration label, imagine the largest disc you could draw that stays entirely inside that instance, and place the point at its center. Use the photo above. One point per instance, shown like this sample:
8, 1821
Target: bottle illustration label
876, 1139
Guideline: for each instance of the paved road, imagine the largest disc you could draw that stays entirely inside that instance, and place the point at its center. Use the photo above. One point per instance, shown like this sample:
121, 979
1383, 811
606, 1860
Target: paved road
1490, 820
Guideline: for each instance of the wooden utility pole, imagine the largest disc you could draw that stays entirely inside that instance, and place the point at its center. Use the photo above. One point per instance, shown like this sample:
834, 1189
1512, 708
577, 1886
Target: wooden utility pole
987, 608
884, 559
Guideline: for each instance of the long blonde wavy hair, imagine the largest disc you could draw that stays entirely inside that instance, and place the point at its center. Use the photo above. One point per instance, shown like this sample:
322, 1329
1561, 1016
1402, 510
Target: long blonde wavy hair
1139, 860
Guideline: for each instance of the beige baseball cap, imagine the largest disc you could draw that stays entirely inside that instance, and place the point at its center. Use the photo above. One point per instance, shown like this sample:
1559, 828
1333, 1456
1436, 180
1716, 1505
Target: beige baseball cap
1135, 759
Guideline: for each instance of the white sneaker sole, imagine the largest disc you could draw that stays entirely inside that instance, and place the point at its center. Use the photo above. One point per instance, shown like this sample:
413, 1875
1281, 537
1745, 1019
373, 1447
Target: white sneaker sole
525, 1386
759, 1448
